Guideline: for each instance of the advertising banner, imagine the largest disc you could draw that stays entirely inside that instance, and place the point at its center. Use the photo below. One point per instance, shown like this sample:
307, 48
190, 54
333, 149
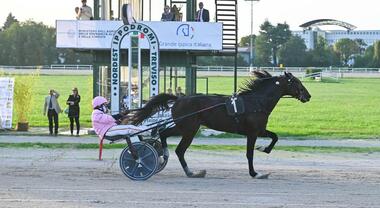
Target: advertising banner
6, 102
81, 34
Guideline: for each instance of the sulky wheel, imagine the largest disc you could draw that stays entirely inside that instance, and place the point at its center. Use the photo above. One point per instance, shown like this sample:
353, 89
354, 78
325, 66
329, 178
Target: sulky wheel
144, 166
160, 151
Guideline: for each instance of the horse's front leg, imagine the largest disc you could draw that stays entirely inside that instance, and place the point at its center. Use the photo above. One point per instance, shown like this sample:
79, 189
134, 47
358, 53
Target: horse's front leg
251, 140
273, 136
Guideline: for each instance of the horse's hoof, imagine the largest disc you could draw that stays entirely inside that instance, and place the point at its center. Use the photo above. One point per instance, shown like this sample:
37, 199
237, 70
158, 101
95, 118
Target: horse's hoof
263, 149
260, 148
199, 174
261, 176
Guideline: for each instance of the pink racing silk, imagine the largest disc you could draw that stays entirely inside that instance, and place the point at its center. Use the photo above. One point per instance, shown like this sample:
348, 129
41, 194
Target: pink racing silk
101, 122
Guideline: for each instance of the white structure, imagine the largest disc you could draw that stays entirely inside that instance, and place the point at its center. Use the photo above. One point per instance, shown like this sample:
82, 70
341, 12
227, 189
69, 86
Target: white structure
310, 36
311, 32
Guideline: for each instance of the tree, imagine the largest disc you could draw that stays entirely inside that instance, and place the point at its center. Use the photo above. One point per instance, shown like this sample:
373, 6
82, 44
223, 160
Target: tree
365, 60
376, 54
262, 51
31, 43
346, 48
293, 52
275, 36
322, 54
246, 40
9, 21
362, 45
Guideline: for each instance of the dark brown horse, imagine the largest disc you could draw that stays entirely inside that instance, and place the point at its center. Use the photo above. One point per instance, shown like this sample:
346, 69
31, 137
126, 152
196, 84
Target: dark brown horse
260, 95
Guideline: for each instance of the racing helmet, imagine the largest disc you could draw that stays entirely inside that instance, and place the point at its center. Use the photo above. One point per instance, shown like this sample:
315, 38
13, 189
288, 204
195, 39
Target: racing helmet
98, 101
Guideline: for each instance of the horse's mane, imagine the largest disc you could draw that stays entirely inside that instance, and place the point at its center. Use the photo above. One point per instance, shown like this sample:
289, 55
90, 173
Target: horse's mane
255, 82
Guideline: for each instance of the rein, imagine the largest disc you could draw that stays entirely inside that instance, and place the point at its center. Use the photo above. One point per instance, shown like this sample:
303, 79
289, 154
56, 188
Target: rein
171, 120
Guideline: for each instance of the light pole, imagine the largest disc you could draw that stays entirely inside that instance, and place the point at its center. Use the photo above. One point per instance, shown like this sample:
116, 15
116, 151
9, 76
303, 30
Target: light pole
251, 36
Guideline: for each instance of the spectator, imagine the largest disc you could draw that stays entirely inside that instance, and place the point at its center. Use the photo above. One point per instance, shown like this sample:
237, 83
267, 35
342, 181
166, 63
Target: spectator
170, 91
73, 103
85, 12
125, 102
177, 16
167, 15
76, 12
51, 109
202, 14
179, 92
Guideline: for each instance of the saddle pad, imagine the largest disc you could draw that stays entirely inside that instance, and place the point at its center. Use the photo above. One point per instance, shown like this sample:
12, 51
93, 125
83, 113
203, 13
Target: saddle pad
235, 106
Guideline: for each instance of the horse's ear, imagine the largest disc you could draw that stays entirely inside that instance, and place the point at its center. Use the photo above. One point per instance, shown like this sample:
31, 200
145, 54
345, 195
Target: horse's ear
288, 74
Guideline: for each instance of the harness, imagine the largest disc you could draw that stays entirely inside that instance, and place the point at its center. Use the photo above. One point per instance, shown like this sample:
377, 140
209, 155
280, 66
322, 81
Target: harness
236, 104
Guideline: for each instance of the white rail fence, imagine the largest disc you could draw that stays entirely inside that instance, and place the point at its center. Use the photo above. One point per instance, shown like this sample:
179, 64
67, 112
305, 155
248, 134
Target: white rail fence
290, 69
48, 67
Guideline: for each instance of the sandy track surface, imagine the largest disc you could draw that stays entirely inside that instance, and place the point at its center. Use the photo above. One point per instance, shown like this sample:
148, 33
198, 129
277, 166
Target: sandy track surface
74, 178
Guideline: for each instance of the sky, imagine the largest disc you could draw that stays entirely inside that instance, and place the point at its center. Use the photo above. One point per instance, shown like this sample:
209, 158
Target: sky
364, 14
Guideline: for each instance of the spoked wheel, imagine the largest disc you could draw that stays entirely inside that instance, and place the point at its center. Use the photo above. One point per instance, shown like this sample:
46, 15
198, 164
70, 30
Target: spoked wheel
144, 166
160, 151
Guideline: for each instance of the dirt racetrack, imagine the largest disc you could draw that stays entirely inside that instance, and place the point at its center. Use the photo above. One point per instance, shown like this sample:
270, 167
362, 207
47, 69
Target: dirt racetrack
74, 178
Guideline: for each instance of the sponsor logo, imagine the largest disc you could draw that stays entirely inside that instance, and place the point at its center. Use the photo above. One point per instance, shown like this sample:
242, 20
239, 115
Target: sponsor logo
185, 30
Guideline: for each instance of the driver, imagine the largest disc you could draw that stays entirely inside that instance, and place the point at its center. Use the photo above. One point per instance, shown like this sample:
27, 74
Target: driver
106, 125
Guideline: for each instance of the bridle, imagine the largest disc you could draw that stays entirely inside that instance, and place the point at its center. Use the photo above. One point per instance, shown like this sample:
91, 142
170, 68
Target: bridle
290, 82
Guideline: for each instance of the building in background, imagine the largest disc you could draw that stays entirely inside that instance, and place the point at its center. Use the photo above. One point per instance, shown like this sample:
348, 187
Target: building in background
311, 32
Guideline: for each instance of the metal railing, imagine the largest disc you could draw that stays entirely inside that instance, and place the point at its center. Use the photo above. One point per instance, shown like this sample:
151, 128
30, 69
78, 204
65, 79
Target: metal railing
289, 69
209, 68
48, 67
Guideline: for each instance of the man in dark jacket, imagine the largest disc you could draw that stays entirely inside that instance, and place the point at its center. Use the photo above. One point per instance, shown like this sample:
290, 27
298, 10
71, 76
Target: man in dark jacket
202, 14
52, 109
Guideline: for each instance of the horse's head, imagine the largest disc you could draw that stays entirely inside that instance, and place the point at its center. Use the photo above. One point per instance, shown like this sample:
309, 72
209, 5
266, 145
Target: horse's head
295, 88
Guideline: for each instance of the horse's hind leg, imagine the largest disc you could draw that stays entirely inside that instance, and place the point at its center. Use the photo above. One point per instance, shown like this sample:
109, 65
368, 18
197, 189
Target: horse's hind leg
180, 151
164, 134
271, 135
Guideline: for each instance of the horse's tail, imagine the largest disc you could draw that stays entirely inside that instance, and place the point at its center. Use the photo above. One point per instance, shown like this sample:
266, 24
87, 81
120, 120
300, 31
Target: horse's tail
155, 104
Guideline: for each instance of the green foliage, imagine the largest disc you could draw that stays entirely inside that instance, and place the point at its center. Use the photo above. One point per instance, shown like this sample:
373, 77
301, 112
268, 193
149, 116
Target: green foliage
275, 37
31, 43
9, 21
246, 40
376, 54
346, 48
365, 60
322, 55
362, 45
262, 52
293, 52
370, 58
23, 96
